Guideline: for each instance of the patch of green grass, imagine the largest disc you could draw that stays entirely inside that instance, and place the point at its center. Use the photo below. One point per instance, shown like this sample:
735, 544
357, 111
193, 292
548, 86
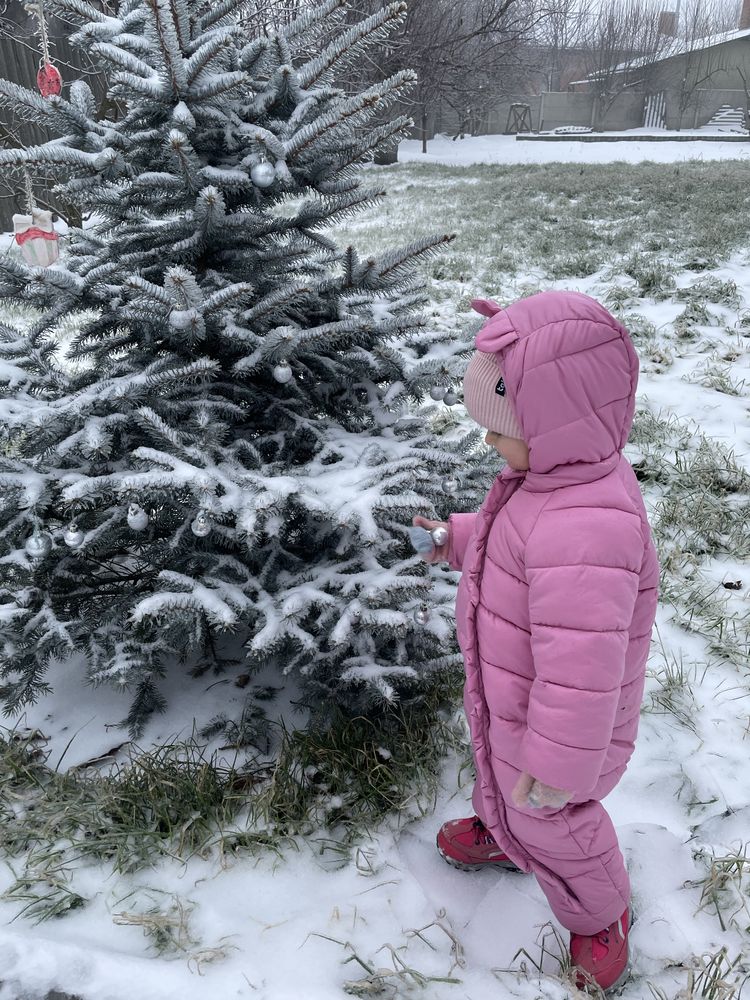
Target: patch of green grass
343, 775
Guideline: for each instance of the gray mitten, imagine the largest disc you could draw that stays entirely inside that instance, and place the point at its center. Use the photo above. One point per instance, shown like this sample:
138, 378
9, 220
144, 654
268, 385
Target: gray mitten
421, 539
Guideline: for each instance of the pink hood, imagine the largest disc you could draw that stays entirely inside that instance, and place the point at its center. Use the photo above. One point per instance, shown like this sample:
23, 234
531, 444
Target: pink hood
570, 372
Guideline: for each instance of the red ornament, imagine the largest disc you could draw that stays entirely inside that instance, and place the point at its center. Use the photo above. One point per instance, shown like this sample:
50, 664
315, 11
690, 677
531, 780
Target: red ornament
48, 80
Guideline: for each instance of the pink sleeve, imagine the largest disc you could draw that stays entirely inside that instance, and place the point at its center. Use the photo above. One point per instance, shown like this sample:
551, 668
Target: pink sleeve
461, 529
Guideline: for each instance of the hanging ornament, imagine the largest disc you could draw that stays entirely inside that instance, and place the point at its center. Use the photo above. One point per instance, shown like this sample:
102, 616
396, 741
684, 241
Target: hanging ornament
137, 517
201, 526
449, 485
450, 398
439, 536
422, 615
73, 536
38, 545
282, 373
48, 78
263, 174
34, 232
437, 392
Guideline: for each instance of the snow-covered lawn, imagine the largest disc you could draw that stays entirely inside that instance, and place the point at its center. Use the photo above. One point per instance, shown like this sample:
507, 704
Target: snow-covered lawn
508, 150
666, 246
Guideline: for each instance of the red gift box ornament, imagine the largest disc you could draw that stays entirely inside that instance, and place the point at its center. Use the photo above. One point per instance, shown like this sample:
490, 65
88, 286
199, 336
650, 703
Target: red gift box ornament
36, 237
48, 80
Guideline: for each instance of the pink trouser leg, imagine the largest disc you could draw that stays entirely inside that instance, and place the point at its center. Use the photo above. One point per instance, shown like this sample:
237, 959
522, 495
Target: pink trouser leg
575, 858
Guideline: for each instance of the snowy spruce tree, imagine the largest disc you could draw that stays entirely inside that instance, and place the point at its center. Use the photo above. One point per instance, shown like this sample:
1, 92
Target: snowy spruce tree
230, 440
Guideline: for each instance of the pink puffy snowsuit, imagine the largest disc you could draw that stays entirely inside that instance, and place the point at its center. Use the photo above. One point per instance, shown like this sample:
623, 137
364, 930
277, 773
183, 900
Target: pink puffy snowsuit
557, 600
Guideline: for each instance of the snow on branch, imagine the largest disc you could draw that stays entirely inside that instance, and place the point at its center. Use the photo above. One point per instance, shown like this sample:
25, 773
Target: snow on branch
346, 48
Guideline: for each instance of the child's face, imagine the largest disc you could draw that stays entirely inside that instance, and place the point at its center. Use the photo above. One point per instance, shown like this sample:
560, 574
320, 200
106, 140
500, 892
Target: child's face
513, 450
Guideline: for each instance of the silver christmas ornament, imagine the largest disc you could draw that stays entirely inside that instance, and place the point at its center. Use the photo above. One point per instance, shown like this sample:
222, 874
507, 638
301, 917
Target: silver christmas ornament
422, 615
282, 373
38, 545
449, 485
437, 392
137, 517
263, 174
439, 536
73, 536
201, 526
450, 398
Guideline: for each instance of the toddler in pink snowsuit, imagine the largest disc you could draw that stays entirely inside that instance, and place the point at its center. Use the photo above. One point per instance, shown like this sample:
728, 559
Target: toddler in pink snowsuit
554, 612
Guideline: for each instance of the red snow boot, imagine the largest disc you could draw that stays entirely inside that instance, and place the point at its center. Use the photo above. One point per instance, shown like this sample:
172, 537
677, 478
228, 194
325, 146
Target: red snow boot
468, 844
602, 958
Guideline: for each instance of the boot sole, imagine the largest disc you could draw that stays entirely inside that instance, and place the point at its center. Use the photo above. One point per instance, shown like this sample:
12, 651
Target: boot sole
464, 866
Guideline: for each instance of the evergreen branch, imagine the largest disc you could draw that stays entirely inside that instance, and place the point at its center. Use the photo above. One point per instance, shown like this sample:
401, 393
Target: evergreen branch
346, 48
149, 290
31, 106
398, 264
116, 56
218, 11
224, 296
128, 83
180, 12
316, 15
378, 138
350, 111
273, 301
196, 371
264, 138
150, 421
55, 153
216, 44
84, 10
167, 34
221, 83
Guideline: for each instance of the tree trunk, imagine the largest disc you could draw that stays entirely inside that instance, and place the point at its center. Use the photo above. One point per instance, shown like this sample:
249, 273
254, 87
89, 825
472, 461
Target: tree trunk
424, 128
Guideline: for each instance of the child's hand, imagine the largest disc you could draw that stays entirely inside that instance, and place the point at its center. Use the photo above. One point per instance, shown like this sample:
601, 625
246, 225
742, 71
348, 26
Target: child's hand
532, 794
440, 552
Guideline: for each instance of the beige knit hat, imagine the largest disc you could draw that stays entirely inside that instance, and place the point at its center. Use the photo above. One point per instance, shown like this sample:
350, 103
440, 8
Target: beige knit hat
485, 398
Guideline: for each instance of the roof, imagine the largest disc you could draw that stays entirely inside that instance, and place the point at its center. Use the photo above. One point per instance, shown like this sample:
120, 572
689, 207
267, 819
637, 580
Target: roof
676, 47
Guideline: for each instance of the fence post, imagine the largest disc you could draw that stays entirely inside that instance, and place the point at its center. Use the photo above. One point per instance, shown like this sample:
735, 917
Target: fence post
541, 112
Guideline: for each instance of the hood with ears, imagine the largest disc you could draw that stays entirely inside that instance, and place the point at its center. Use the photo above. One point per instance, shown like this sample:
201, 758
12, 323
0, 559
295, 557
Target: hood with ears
570, 372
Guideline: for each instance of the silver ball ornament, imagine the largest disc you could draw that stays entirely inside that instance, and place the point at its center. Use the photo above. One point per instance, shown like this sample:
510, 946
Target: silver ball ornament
422, 615
450, 398
137, 517
73, 536
263, 174
38, 545
282, 373
201, 526
437, 392
439, 536
449, 485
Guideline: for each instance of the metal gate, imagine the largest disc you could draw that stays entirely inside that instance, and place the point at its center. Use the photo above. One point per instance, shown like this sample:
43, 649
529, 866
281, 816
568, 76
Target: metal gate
655, 111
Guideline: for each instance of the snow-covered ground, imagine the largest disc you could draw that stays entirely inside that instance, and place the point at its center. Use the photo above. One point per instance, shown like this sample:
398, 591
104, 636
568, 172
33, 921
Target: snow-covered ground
393, 916
507, 149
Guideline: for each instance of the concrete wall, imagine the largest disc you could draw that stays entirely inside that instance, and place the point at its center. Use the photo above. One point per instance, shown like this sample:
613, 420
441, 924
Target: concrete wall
491, 121
568, 108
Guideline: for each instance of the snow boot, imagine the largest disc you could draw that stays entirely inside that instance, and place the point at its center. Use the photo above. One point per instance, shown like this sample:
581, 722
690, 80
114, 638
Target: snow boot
468, 844
602, 959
